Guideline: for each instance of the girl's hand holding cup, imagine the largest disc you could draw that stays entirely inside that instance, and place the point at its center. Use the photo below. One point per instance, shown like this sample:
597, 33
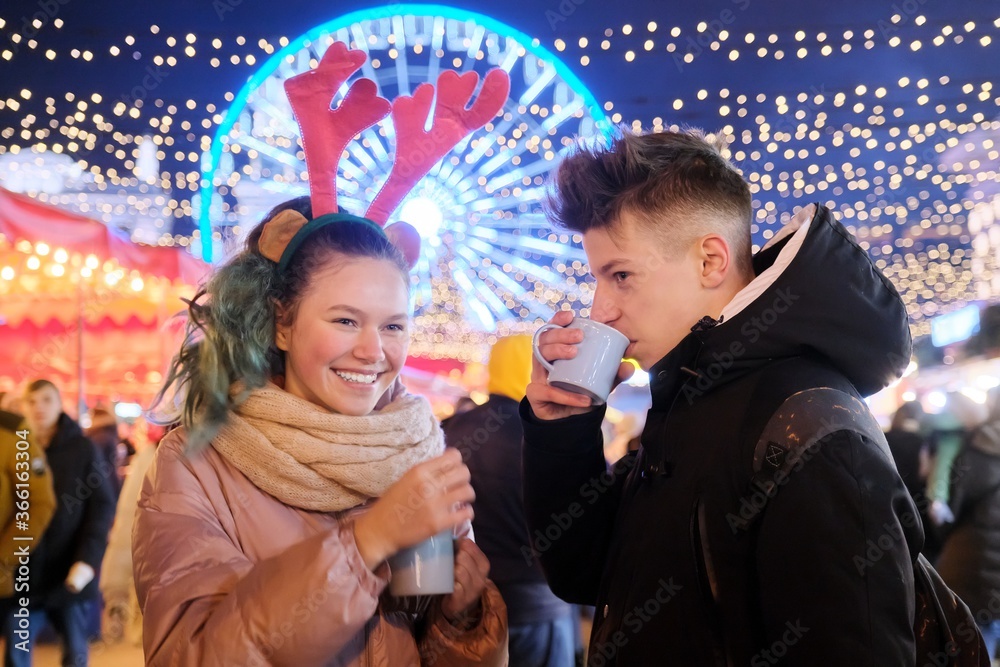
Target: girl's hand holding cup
471, 571
431, 497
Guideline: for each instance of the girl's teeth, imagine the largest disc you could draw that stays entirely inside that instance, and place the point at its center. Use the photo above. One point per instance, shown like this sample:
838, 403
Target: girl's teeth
357, 377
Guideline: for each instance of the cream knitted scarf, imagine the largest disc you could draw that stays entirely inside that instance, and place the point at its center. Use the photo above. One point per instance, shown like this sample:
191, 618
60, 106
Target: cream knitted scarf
308, 457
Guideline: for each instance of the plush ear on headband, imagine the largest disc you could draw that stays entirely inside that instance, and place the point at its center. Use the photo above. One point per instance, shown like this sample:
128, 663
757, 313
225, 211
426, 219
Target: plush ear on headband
279, 231
405, 237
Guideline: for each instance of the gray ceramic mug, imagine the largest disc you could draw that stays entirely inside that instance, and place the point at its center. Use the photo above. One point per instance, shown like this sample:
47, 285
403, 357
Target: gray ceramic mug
427, 568
593, 370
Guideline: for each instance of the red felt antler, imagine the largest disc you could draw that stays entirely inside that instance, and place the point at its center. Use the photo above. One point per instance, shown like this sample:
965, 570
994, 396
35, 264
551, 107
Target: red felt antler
325, 131
418, 150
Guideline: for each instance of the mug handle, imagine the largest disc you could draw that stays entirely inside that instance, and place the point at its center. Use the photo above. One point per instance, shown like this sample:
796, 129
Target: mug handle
534, 345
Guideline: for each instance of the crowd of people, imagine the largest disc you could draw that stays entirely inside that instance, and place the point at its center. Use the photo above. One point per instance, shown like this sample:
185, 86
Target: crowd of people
66, 549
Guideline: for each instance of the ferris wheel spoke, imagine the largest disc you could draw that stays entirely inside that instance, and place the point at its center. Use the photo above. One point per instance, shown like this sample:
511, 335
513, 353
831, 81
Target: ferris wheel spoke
491, 202
499, 129
547, 76
544, 246
538, 167
361, 42
534, 221
402, 68
482, 313
276, 154
511, 56
498, 309
529, 268
288, 190
475, 42
564, 114
437, 41
515, 291
358, 153
275, 114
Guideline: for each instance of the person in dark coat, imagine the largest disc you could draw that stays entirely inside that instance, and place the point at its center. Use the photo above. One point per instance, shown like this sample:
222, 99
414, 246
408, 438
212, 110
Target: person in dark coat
913, 454
824, 575
970, 559
489, 436
103, 432
64, 565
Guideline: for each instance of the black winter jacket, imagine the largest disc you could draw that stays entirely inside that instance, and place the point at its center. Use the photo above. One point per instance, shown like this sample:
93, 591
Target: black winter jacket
85, 511
489, 437
825, 575
970, 559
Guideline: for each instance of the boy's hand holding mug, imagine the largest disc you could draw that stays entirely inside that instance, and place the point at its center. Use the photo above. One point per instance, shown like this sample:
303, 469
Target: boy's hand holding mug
575, 366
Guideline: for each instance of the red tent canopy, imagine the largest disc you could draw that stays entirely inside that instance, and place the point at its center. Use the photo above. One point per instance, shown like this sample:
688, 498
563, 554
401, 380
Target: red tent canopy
82, 306
27, 219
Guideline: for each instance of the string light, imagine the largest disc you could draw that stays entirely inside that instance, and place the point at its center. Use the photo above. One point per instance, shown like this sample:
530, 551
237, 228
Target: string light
931, 134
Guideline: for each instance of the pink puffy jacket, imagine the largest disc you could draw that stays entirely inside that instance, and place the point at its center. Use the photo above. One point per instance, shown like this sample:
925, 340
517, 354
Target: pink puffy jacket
229, 575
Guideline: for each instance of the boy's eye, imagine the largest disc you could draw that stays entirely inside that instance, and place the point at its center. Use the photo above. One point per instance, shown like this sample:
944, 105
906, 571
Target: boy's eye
344, 320
620, 276
396, 327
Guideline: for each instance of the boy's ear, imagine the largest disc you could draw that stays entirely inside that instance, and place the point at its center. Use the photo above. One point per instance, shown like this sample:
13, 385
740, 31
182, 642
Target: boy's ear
716, 260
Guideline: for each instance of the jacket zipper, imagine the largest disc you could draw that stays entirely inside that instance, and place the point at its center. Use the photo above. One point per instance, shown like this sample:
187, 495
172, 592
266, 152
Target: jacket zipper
706, 585
366, 659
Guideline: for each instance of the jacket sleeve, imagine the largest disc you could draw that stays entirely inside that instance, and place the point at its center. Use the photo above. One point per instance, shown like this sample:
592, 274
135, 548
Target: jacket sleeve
968, 485
116, 568
834, 559
31, 468
100, 510
204, 602
483, 644
569, 501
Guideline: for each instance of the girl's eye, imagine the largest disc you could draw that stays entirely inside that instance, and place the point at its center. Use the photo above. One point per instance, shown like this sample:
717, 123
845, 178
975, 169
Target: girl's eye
396, 327
344, 320
620, 276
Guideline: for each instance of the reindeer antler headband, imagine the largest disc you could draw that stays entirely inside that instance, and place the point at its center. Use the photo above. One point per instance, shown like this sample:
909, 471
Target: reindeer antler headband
326, 132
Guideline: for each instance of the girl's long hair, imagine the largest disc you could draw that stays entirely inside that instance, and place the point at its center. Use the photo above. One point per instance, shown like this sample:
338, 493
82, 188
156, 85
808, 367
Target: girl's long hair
231, 323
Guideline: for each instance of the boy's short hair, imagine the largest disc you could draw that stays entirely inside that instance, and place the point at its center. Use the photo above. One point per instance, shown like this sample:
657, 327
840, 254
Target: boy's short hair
677, 184
38, 385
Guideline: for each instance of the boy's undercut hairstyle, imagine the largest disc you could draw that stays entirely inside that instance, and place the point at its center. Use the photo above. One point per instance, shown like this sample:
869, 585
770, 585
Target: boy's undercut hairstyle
676, 184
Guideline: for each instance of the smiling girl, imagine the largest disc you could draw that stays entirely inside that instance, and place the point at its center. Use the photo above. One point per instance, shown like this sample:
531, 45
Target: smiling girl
265, 521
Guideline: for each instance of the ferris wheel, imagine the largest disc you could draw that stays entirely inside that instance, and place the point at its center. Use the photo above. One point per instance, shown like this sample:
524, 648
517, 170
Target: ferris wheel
490, 263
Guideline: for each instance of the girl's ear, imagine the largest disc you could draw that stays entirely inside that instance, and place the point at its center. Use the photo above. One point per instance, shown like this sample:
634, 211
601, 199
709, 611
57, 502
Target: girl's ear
282, 327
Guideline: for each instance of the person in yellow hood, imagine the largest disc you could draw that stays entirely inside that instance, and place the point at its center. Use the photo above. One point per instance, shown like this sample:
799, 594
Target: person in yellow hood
489, 437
